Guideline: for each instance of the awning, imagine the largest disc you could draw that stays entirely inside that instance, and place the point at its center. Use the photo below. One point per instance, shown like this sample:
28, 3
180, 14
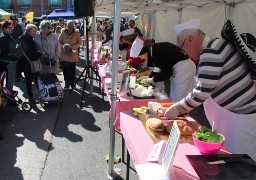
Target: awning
4, 14
62, 13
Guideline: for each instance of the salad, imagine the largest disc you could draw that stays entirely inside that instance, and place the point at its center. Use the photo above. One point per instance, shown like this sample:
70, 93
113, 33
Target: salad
207, 135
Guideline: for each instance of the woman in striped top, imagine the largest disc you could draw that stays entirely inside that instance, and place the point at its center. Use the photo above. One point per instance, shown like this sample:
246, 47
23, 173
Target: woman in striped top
224, 86
222, 74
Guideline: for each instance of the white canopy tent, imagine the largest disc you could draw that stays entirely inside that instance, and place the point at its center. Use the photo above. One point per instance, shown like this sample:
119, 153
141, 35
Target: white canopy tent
160, 17
168, 13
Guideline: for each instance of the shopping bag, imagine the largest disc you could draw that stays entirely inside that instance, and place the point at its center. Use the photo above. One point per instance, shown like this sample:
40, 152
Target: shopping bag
35, 66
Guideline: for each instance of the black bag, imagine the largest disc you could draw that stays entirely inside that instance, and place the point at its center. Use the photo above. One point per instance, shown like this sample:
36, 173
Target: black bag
230, 34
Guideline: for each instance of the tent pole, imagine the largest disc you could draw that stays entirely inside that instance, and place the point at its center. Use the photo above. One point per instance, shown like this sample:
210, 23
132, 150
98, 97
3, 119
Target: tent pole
152, 29
113, 95
92, 50
146, 25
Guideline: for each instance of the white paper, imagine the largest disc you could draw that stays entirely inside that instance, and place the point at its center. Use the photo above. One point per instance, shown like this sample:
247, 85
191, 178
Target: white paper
157, 152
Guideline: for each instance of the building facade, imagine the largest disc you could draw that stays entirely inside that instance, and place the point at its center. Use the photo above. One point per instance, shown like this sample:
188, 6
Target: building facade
39, 7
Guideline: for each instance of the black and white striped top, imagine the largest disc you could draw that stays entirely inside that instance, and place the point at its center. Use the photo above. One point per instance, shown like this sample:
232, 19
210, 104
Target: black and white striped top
223, 75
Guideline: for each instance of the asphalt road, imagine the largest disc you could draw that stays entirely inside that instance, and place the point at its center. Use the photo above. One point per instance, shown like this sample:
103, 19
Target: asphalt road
58, 142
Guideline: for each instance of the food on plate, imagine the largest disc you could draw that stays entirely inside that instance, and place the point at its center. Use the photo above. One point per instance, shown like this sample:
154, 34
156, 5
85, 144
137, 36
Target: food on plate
144, 72
186, 127
168, 104
154, 122
207, 135
145, 84
142, 92
140, 110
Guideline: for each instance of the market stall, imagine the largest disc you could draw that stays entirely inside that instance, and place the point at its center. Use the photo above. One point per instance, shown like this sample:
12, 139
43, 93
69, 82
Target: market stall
162, 16
4, 14
61, 13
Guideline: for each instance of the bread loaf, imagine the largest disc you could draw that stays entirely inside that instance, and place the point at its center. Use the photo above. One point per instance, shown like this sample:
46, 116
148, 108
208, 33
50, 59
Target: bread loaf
155, 123
186, 127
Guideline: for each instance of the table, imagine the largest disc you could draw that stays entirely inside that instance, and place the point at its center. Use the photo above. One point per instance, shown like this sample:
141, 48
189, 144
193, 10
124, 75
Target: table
139, 146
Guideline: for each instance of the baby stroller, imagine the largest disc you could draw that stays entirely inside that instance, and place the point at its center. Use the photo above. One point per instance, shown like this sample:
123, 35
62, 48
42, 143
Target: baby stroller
11, 96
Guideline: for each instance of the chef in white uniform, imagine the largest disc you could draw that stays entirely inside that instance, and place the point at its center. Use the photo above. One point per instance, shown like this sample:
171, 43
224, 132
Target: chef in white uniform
169, 62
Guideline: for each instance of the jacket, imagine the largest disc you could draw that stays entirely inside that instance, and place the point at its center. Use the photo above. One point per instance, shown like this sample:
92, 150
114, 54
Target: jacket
28, 45
50, 45
75, 41
9, 49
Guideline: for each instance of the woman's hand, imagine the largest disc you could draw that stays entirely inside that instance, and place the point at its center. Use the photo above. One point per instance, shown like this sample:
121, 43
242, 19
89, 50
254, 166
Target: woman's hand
171, 112
147, 80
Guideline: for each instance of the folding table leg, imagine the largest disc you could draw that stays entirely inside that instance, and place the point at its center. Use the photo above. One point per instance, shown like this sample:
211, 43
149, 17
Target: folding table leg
128, 165
123, 149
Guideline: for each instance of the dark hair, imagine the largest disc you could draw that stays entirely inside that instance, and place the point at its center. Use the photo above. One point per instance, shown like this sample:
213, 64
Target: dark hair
23, 18
132, 21
6, 23
149, 42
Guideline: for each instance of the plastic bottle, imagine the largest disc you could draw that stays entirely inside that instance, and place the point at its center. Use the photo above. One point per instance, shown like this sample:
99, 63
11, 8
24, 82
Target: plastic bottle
132, 81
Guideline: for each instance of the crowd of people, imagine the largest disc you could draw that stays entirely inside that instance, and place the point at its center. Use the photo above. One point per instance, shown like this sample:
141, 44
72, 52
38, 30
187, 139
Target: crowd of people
51, 43
201, 70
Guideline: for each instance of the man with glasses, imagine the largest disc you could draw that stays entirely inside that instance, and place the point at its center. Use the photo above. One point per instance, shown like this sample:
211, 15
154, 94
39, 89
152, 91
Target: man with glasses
9, 53
224, 86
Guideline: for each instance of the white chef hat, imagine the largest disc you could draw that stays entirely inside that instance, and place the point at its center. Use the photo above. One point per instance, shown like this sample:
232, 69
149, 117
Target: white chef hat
137, 46
127, 32
192, 24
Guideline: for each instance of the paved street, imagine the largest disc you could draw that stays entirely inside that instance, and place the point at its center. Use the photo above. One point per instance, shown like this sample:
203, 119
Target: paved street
58, 142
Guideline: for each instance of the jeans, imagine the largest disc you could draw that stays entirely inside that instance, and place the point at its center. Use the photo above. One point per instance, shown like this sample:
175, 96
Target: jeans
11, 72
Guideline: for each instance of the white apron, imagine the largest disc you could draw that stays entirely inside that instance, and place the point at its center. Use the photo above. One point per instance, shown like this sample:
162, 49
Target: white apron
239, 129
182, 80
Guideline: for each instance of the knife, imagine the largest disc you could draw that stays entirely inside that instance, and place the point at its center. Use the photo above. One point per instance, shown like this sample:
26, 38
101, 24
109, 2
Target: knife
224, 161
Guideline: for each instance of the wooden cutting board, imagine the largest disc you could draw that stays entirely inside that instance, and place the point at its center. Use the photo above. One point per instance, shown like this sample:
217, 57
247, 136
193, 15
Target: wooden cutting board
158, 136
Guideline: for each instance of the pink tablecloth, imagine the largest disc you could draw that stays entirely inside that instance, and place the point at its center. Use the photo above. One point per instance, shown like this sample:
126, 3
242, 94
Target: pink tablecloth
124, 102
140, 145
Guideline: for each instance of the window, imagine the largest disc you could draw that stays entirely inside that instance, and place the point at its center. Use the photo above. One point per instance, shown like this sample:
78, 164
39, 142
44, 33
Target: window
54, 2
21, 14
24, 2
5, 4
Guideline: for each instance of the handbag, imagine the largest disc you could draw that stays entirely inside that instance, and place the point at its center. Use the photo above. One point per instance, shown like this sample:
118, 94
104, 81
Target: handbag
35, 66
